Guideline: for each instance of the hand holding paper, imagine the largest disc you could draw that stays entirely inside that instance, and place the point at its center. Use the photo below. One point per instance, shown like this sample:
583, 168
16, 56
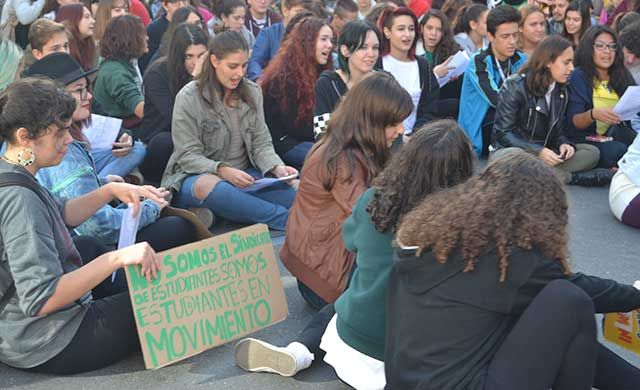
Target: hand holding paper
629, 104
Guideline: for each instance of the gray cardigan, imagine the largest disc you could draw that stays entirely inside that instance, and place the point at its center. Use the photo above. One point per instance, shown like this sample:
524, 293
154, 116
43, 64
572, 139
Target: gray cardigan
201, 132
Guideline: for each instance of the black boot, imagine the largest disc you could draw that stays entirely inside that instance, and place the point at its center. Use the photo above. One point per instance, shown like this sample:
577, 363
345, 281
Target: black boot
597, 177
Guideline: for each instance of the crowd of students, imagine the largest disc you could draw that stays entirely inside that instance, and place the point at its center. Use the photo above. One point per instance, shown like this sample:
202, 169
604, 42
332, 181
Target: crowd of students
357, 106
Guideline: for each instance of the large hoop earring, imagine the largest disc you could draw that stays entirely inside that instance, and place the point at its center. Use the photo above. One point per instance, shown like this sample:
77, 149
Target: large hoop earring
25, 162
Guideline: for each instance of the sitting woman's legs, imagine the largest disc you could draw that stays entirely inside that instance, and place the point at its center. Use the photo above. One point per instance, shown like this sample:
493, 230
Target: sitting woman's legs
552, 345
296, 155
269, 205
108, 164
610, 153
167, 232
107, 333
624, 200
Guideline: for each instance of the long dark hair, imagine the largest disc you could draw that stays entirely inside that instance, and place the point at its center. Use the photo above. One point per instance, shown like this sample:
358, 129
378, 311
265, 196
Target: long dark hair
223, 44
583, 9
439, 155
447, 45
466, 15
386, 20
517, 202
356, 131
291, 75
184, 36
82, 49
353, 36
538, 77
180, 16
619, 76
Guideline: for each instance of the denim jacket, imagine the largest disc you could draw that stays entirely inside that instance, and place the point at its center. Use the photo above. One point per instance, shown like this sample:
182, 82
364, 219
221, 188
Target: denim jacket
630, 162
76, 176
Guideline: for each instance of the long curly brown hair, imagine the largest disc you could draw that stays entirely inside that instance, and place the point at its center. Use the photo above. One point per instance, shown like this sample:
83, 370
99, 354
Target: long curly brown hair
291, 76
439, 156
516, 202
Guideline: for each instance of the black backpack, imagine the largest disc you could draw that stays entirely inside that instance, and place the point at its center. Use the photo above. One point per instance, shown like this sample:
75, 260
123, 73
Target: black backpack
9, 179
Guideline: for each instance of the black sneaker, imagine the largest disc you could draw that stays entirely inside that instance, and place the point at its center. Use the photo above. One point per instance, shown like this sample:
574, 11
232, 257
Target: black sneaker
598, 177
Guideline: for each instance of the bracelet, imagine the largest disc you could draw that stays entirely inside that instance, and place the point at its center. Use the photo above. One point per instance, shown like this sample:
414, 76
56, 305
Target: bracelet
591, 114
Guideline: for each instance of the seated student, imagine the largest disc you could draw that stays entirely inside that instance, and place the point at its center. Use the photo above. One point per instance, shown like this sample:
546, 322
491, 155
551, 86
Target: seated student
558, 11
107, 10
16, 18
465, 302
345, 11
629, 39
624, 193
338, 169
10, 63
186, 14
531, 112
162, 82
269, 39
485, 74
441, 156
118, 87
598, 82
398, 57
222, 144
125, 155
577, 21
232, 15
61, 314
438, 46
46, 37
358, 50
259, 16
470, 28
77, 174
81, 25
157, 28
287, 86
533, 28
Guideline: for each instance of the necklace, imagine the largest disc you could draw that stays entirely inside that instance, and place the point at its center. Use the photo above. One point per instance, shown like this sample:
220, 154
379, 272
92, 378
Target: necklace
5, 158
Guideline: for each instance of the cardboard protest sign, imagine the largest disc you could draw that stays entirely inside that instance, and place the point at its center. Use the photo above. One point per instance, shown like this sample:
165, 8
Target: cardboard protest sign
207, 294
623, 329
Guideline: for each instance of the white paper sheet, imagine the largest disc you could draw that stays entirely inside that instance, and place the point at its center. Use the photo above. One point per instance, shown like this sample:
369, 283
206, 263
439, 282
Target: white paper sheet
629, 104
128, 230
266, 182
459, 64
103, 131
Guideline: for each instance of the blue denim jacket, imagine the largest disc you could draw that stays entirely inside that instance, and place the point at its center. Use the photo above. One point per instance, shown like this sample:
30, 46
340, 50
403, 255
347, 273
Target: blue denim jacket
630, 162
76, 176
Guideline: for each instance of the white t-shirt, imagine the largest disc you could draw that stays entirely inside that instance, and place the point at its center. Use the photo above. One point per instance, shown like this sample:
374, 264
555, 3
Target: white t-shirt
408, 75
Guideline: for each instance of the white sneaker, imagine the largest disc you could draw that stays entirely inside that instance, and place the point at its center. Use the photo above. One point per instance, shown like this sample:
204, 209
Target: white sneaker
257, 356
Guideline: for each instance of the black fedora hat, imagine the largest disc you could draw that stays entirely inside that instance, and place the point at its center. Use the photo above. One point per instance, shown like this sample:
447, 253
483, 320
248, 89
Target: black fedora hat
61, 67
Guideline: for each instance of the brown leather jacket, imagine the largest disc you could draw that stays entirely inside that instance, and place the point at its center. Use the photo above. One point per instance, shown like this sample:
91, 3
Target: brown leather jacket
313, 250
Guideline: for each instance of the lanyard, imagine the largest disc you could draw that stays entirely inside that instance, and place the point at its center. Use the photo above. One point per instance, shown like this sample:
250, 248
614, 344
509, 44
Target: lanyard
502, 77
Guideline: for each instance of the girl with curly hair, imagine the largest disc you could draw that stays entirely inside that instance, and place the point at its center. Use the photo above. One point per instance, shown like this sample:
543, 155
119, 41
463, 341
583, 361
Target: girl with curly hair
288, 84
118, 87
481, 295
441, 156
80, 23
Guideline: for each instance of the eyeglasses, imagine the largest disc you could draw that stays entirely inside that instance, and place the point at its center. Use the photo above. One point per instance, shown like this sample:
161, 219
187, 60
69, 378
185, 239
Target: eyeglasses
82, 92
601, 46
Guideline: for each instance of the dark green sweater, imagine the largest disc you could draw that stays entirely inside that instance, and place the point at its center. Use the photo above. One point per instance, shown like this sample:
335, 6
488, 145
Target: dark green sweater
361, 308
116, 89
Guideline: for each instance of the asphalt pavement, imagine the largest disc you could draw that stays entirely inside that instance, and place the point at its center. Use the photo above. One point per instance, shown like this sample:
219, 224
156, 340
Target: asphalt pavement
599, 246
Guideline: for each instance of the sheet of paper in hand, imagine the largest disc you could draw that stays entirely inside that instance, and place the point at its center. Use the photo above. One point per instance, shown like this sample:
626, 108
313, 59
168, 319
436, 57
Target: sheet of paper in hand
103, 131
207, 293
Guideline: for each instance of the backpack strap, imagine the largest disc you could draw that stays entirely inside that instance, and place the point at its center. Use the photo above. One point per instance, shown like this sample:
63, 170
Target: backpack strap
10, 179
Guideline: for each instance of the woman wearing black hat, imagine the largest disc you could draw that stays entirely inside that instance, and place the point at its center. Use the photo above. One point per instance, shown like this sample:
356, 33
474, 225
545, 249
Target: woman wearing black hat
59, 311
78, 175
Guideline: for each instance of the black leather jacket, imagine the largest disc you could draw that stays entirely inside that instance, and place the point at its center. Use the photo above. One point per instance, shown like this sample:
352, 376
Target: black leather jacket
527, 122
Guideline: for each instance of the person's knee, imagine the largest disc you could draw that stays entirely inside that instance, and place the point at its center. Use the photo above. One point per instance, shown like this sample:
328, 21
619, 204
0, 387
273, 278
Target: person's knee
589, 155
571, 297
204, 185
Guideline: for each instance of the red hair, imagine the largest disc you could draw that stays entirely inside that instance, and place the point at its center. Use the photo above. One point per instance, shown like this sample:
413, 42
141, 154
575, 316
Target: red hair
291, 76
386, 20
82, 49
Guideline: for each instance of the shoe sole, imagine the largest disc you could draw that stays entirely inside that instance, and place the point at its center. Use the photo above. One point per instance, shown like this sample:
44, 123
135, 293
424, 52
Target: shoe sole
255, 356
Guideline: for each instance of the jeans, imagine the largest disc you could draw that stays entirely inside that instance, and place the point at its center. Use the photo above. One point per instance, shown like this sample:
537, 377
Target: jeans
107, 333
269, 205
612, 151
296, 155
107, 164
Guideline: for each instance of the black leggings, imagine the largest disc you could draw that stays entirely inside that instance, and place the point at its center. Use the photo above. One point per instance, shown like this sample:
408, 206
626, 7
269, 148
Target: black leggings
107, 333
159, 150
166, 233
553, 345
311, 335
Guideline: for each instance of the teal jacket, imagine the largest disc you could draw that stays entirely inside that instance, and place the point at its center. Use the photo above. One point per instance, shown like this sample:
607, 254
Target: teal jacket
116, 88
480, 87
361, 309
